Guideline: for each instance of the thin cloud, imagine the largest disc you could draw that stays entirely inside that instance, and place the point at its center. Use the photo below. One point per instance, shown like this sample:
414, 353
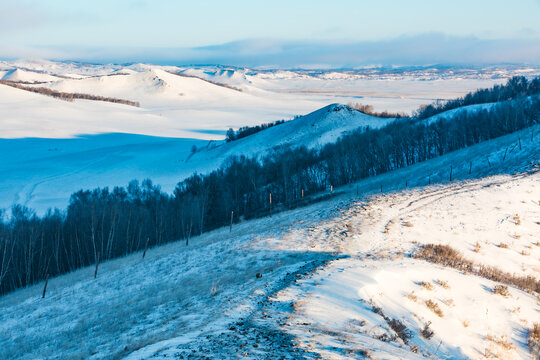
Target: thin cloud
421, 49
432, 48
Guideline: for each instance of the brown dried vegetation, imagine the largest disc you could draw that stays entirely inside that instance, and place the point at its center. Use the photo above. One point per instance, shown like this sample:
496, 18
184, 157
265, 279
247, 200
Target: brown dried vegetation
407, 224
501, 290
502, 341
67, 96
443, 284
534, 340
447, 256
433, 306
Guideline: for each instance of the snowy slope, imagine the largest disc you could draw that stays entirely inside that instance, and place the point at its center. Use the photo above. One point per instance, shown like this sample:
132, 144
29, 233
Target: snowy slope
268, 94
190, 110
323, 269
153, 87
43, 173
25, 114
20, 75
313, 130
171, 105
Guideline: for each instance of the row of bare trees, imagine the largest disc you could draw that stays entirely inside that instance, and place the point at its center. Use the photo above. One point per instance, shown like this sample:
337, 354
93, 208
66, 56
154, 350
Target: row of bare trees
515, 87
68, 96
370, 110
101, 224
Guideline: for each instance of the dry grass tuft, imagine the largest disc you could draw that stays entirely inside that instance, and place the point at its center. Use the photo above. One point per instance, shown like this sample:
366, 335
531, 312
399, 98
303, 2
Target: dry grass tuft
443, 284
412, 297
401, 330
503, 246
477, 247
516, 219
433, 306
447, 256
407, 224
502, 341
465, 323
388, 226
449, 302
525, 253
501, 290
426, 332
534, 341
426, 285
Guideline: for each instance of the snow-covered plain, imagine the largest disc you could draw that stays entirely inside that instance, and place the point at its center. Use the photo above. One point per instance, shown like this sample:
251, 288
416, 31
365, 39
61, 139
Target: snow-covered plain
51, 148
324, 268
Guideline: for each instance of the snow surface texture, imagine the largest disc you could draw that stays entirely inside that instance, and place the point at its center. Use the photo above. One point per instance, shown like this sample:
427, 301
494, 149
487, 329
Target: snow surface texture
324, 269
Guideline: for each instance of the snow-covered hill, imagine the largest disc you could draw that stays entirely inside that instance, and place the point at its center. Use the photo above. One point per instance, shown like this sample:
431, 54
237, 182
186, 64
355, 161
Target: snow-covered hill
313, 130
268, 95
20, 75
42, 173
53, 147
334, 277
171, 105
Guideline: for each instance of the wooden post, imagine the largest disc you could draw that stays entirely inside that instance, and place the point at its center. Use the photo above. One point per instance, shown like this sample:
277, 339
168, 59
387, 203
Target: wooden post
232, 216
270, 197
331, 189
302, 193
450, 173
470, 167
145, 247
436, 351
381, 187
519, 141
406, 184
429, 179
97, 265
45, 287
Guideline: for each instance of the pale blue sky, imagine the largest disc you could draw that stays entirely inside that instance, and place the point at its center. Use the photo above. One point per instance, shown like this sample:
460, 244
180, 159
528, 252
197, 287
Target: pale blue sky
128, 29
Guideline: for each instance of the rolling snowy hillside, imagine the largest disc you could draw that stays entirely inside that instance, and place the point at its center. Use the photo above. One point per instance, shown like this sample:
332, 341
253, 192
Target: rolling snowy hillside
43, 173
341, 278
335, 277
172, 105
20, 75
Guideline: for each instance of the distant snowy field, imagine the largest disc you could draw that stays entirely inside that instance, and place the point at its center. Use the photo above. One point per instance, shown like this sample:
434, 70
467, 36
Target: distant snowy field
51, 148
